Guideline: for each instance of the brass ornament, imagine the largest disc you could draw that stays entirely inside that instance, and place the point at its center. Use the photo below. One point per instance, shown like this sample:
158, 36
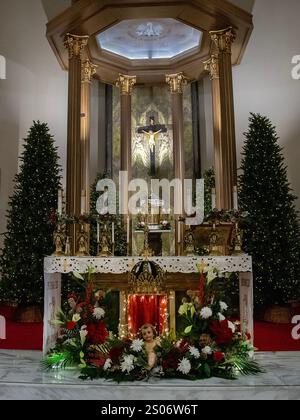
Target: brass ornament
59, 241
75, 44
214, 239
82, 243
126, 83
189, 241
212, 66
88, 69
176, 82
104, 246
223, 39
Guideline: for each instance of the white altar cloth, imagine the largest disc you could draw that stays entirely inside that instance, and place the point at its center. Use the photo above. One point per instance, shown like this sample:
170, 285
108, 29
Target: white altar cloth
55, 266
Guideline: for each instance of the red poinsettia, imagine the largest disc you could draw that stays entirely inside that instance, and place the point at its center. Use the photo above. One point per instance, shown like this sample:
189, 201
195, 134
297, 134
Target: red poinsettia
223, 334
71, 325
97, 333
218, 357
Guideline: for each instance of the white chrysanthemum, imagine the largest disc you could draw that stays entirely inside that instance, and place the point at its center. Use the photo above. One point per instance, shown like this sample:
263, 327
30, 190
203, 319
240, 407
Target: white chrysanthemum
137, 345
128, 364
99, 313
194, 352
184, 366
231, 326
107, 364
223, 306
206, 313
221, 317
207, 350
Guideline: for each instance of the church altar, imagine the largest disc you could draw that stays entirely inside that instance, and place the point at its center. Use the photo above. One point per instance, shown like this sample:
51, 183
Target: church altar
181, 273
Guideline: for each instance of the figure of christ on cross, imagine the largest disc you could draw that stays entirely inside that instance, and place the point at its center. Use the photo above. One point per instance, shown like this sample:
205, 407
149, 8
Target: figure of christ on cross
151, 131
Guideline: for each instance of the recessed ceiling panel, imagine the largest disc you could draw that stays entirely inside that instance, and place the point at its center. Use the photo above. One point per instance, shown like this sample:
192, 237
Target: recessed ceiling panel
139, 39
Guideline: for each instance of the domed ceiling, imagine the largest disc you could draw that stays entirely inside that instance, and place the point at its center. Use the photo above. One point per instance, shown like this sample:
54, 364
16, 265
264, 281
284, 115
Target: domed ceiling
141, 39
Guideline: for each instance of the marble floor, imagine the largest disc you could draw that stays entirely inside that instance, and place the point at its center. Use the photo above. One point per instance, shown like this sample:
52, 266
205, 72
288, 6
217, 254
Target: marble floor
22, 378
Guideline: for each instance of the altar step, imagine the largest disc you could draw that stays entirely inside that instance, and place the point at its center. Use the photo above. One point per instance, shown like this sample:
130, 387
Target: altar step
21, 378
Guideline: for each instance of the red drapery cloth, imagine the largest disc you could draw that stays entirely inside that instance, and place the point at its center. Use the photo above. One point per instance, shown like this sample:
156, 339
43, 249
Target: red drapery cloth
147, 309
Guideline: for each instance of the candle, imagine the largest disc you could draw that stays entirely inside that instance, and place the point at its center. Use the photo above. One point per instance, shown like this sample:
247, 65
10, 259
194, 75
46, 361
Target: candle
235, 199
98, 233
83, 197
113, 233
60, 202
213, 198
128, 229
179, 232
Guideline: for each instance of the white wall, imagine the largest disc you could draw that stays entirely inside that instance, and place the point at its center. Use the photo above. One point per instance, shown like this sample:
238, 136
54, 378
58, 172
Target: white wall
263, 82
35, 88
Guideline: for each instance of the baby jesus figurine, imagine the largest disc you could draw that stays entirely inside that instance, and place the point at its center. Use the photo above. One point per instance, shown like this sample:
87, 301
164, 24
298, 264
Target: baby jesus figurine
151, 340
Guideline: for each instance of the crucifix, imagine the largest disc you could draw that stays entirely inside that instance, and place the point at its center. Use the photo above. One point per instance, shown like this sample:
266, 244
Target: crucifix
151, 131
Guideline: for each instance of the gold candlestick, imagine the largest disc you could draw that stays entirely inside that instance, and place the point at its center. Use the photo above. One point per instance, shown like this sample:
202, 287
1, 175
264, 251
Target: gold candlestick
238, 242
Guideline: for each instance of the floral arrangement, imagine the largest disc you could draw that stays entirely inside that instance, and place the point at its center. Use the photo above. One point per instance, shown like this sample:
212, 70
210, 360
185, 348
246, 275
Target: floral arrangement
83, 328
209, 345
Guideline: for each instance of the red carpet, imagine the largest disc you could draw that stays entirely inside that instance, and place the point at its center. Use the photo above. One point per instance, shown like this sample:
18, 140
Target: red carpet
21, 336
268, 337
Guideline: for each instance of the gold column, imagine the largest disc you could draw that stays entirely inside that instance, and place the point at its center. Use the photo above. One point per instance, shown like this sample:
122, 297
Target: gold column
75, 45
126, 83
220, 68
88, 71
176, 84
123, 320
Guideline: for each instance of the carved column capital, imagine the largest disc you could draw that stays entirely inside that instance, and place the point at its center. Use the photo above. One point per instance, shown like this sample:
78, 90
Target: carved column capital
75, 44
212, 66
223, 39
125, 83
176, 82
88, 69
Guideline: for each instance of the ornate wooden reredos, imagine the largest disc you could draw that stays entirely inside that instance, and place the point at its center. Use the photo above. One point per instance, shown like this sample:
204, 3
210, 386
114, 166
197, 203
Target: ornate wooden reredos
225, 31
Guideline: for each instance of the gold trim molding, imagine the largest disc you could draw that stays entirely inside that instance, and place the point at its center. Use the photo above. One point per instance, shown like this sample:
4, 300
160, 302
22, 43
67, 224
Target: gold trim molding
223, 39
176, 82
88, 71
75, 44
125, 83
212, 66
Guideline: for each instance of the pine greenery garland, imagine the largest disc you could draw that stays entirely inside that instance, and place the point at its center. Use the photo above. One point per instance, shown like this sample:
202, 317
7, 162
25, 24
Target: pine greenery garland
272, 235
29, 236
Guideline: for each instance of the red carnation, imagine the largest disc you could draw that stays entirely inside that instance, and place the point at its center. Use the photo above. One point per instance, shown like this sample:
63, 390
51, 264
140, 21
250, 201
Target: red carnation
218, 357
97, 333
223, 334
71, 325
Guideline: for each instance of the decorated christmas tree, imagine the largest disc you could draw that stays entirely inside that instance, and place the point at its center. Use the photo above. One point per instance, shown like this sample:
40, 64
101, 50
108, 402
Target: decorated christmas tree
272, 235
29, 236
